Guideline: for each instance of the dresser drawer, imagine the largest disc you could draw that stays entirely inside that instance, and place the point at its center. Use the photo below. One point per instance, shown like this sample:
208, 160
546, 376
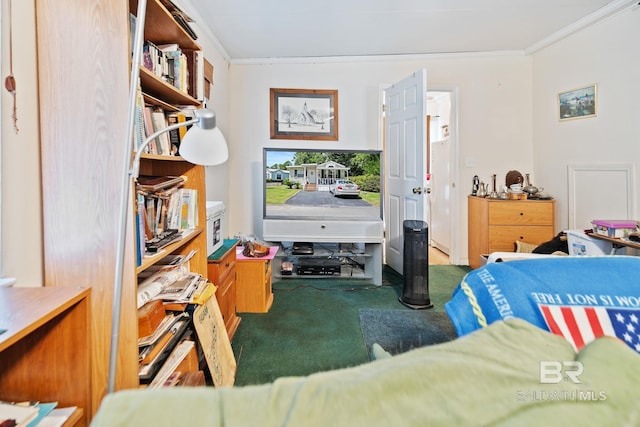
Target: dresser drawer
502, 238
532, 213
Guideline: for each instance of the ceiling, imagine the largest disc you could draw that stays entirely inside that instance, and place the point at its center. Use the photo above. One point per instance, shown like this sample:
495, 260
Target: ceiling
250, 29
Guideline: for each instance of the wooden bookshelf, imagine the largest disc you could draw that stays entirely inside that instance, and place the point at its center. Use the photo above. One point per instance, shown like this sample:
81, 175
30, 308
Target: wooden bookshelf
83, 119
45, 350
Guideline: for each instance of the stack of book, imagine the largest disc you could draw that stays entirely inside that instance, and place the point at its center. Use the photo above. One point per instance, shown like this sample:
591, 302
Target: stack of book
165, 210
33, 414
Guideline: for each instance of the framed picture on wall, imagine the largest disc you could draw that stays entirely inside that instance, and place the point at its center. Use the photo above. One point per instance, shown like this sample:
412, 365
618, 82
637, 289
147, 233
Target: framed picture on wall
304, 114
578, 103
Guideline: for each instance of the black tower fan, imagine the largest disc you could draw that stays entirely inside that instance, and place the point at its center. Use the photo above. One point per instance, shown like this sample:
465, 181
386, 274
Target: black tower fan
415, 292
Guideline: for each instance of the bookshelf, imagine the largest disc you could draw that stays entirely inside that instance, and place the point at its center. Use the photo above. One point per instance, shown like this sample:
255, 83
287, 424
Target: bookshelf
84, 68
46, 332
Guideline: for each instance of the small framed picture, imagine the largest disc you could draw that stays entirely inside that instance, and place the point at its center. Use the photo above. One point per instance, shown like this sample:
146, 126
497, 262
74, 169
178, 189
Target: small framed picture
578, 103
304, 114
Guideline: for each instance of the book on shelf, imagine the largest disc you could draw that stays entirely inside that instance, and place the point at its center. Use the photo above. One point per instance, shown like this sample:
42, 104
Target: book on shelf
167, 322
192, 379
174, 135
182, 289
141, 229
17, 414
148, 371
148, 130
204, 290
157, 183
57, 417
140, 124
159, 122
189, 209
178, 354
148, 353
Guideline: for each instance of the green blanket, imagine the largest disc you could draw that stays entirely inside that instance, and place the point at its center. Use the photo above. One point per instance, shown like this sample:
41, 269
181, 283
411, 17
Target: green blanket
491, 377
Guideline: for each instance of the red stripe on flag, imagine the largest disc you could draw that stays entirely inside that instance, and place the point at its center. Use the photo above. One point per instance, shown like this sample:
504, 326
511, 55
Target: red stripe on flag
574, 329
596, 327
553, 326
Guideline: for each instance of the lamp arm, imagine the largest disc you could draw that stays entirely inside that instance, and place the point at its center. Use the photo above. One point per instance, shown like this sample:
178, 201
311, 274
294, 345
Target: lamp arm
124, 199
135, 169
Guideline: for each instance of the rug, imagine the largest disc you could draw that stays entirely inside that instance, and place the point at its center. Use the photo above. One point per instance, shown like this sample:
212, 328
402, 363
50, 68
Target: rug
398, 331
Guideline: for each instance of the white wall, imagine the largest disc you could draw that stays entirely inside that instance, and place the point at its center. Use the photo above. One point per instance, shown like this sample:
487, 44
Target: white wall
21, 190
494, 117
606, 54
218, 177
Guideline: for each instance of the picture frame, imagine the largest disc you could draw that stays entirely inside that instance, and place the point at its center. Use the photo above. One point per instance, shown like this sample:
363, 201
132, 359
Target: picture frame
305, 114
579, 103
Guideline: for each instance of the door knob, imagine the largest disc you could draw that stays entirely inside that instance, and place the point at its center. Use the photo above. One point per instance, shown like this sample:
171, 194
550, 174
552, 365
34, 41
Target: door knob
417, 190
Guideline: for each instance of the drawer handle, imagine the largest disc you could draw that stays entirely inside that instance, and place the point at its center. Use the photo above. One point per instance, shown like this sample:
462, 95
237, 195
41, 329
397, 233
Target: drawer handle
227, 264
521, 213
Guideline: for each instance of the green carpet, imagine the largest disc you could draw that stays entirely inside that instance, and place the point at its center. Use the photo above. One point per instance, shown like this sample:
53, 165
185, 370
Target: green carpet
314, 324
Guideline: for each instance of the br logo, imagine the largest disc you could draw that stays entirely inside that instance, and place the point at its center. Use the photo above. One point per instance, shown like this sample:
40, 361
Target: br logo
554, 372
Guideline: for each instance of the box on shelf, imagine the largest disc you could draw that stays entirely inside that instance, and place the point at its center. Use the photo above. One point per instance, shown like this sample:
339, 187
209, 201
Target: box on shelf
582, 244
216, 226
150, 316
613, 227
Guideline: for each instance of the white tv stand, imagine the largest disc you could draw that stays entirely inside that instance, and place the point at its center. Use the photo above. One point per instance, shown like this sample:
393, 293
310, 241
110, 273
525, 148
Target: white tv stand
357, 244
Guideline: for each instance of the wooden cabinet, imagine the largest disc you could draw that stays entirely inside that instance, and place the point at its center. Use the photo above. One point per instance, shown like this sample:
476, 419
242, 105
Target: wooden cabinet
495, 225
83, 157
222, 272
45, 350
254, 292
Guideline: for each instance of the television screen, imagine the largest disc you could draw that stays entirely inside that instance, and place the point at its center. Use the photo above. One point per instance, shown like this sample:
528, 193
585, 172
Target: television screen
322, 184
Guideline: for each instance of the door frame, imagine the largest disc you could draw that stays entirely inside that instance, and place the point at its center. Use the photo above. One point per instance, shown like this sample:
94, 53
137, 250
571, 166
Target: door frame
454, 255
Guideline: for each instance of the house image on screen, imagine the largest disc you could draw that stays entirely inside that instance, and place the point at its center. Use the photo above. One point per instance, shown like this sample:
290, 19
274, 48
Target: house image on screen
277, 174
318, 177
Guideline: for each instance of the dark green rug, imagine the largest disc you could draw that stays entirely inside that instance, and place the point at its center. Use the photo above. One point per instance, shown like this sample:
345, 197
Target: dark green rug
314, 324
402, 330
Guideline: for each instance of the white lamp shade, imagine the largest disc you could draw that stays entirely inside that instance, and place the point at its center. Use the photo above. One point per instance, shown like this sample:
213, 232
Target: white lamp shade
204, 146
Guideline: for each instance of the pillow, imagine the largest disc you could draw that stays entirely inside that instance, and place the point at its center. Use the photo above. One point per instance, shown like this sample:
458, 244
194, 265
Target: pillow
524, 247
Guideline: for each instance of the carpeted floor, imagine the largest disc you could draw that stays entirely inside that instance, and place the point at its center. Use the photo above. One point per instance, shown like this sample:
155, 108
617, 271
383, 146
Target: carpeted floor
401, 330
314, 324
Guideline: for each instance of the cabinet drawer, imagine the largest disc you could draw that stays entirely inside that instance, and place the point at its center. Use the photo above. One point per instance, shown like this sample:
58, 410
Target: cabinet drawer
221, 270
521, 213
502, 238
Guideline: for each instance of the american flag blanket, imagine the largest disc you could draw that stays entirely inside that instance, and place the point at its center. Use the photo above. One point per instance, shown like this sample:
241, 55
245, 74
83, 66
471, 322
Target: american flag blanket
579, 298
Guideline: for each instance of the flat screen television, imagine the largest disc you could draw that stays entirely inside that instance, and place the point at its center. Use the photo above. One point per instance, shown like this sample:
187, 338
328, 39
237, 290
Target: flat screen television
321, 194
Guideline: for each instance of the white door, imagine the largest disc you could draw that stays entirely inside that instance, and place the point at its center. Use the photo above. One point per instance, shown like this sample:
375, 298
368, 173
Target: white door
405, 161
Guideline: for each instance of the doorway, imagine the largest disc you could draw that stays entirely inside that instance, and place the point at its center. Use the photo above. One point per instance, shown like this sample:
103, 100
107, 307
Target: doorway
442, 161
439, 165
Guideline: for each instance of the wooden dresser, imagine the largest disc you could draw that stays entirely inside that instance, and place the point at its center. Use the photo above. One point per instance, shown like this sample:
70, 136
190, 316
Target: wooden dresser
495, 225
221, 271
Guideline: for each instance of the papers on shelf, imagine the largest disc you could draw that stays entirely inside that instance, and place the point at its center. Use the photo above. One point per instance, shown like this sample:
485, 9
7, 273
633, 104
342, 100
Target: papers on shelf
57, 417
164, 326
177, 355
19, 413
